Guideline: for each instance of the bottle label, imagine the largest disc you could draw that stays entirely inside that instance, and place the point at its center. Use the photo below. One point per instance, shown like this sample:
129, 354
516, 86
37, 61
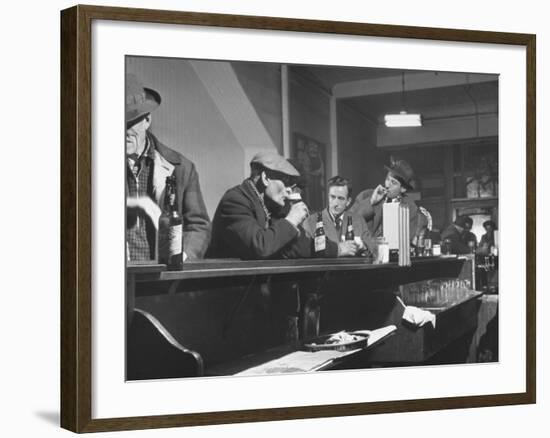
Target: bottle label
175, 236
320, 243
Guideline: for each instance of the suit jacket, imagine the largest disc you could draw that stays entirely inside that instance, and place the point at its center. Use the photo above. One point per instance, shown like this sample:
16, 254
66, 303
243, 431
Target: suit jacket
240, 229
468, 236
373, 213
457, 244
360, 228
487, 240
189, 201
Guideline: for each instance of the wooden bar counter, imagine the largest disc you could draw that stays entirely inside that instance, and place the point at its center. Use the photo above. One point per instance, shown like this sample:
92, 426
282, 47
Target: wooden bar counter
230, 309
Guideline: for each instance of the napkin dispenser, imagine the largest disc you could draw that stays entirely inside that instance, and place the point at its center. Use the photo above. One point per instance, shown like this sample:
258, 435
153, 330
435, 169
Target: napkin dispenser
395, 226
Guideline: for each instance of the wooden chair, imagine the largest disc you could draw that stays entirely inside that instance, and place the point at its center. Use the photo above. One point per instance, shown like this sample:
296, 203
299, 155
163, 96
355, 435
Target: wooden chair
153, 353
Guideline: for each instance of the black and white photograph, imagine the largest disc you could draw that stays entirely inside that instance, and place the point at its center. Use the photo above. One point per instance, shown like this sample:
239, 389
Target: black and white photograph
294, 218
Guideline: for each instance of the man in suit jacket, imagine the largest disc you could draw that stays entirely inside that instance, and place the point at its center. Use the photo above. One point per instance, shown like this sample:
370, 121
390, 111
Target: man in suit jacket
335, 219
488, 239
454, 234
468, 237
369, 203
249, 222
148, 163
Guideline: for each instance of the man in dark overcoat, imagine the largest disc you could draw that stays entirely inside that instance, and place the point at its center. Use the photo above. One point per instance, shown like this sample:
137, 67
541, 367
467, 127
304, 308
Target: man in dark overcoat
251, 221
148, 163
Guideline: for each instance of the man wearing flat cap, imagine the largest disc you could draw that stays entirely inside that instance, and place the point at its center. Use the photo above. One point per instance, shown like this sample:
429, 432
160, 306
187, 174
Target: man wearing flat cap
369, 203
251, 221
148, 164
455, 234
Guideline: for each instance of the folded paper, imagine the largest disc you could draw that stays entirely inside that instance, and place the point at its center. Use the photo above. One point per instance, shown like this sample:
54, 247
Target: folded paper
418, 317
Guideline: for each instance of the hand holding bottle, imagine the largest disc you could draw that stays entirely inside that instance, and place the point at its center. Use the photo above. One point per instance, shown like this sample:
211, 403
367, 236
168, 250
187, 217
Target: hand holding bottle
347, 248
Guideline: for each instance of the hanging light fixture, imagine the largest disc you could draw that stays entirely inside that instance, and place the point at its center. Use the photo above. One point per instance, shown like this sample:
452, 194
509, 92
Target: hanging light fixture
402, 119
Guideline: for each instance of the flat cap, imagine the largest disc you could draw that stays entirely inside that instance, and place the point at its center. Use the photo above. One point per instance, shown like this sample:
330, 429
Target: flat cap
273, 161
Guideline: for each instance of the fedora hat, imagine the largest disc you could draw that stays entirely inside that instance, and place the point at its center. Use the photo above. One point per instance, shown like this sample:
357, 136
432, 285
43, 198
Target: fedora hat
402, 171
462, 221
139, 100
491, 223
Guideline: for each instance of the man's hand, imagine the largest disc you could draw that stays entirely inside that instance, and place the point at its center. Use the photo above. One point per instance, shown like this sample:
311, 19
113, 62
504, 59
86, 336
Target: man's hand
378, 194
146, 204
297, 214
360, 244
347, 249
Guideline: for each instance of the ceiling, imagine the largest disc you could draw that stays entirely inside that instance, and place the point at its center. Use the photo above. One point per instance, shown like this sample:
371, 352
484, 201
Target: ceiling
479, 94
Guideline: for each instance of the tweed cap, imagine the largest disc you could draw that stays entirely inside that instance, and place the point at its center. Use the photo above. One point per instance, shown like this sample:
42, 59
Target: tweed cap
139, 100
273, 161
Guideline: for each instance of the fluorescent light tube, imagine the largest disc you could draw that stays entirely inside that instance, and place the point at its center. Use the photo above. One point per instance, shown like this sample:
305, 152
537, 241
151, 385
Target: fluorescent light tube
402, 119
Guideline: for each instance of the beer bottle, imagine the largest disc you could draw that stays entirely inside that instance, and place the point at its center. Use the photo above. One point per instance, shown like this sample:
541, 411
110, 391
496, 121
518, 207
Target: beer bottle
171, 230
320, 239
349, 230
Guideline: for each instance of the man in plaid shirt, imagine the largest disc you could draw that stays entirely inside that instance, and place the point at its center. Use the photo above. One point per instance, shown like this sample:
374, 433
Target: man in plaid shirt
149, 162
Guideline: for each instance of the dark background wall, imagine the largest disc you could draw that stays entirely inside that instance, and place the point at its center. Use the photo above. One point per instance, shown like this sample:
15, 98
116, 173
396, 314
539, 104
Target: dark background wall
358, 157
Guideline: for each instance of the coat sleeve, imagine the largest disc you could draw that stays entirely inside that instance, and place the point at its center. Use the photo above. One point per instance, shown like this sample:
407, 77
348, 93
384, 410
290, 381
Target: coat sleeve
416, 219
366, 235
362, 205
197, 228
240, 230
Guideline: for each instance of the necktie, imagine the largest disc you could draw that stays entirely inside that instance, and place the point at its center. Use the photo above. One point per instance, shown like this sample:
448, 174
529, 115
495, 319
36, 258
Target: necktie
339, 224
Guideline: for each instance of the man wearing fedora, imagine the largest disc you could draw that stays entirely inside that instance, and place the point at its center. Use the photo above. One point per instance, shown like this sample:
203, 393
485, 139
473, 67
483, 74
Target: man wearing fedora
148, 163
369, 203
251, 221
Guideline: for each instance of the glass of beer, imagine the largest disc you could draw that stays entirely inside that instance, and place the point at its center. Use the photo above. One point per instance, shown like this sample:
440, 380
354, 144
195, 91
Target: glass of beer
294, 197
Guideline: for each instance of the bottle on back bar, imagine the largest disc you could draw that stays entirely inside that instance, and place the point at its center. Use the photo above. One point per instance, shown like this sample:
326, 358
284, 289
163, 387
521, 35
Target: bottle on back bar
320, 239
350, 235
420, 244
170, 230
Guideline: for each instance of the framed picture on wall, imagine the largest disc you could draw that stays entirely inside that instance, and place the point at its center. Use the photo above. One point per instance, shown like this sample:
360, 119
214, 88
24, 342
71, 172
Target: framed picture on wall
310, 156
210, 92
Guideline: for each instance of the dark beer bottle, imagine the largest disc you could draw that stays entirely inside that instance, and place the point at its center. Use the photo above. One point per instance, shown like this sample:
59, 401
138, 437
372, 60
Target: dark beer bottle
349, 230
320, 240
171, 230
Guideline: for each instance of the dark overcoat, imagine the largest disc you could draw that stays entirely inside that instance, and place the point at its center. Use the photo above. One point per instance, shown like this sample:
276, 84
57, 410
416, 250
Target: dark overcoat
240, 229
190, 203
373, 213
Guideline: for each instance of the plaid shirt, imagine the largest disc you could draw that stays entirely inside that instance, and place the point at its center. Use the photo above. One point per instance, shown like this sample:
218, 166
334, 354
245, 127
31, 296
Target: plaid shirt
140, 232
